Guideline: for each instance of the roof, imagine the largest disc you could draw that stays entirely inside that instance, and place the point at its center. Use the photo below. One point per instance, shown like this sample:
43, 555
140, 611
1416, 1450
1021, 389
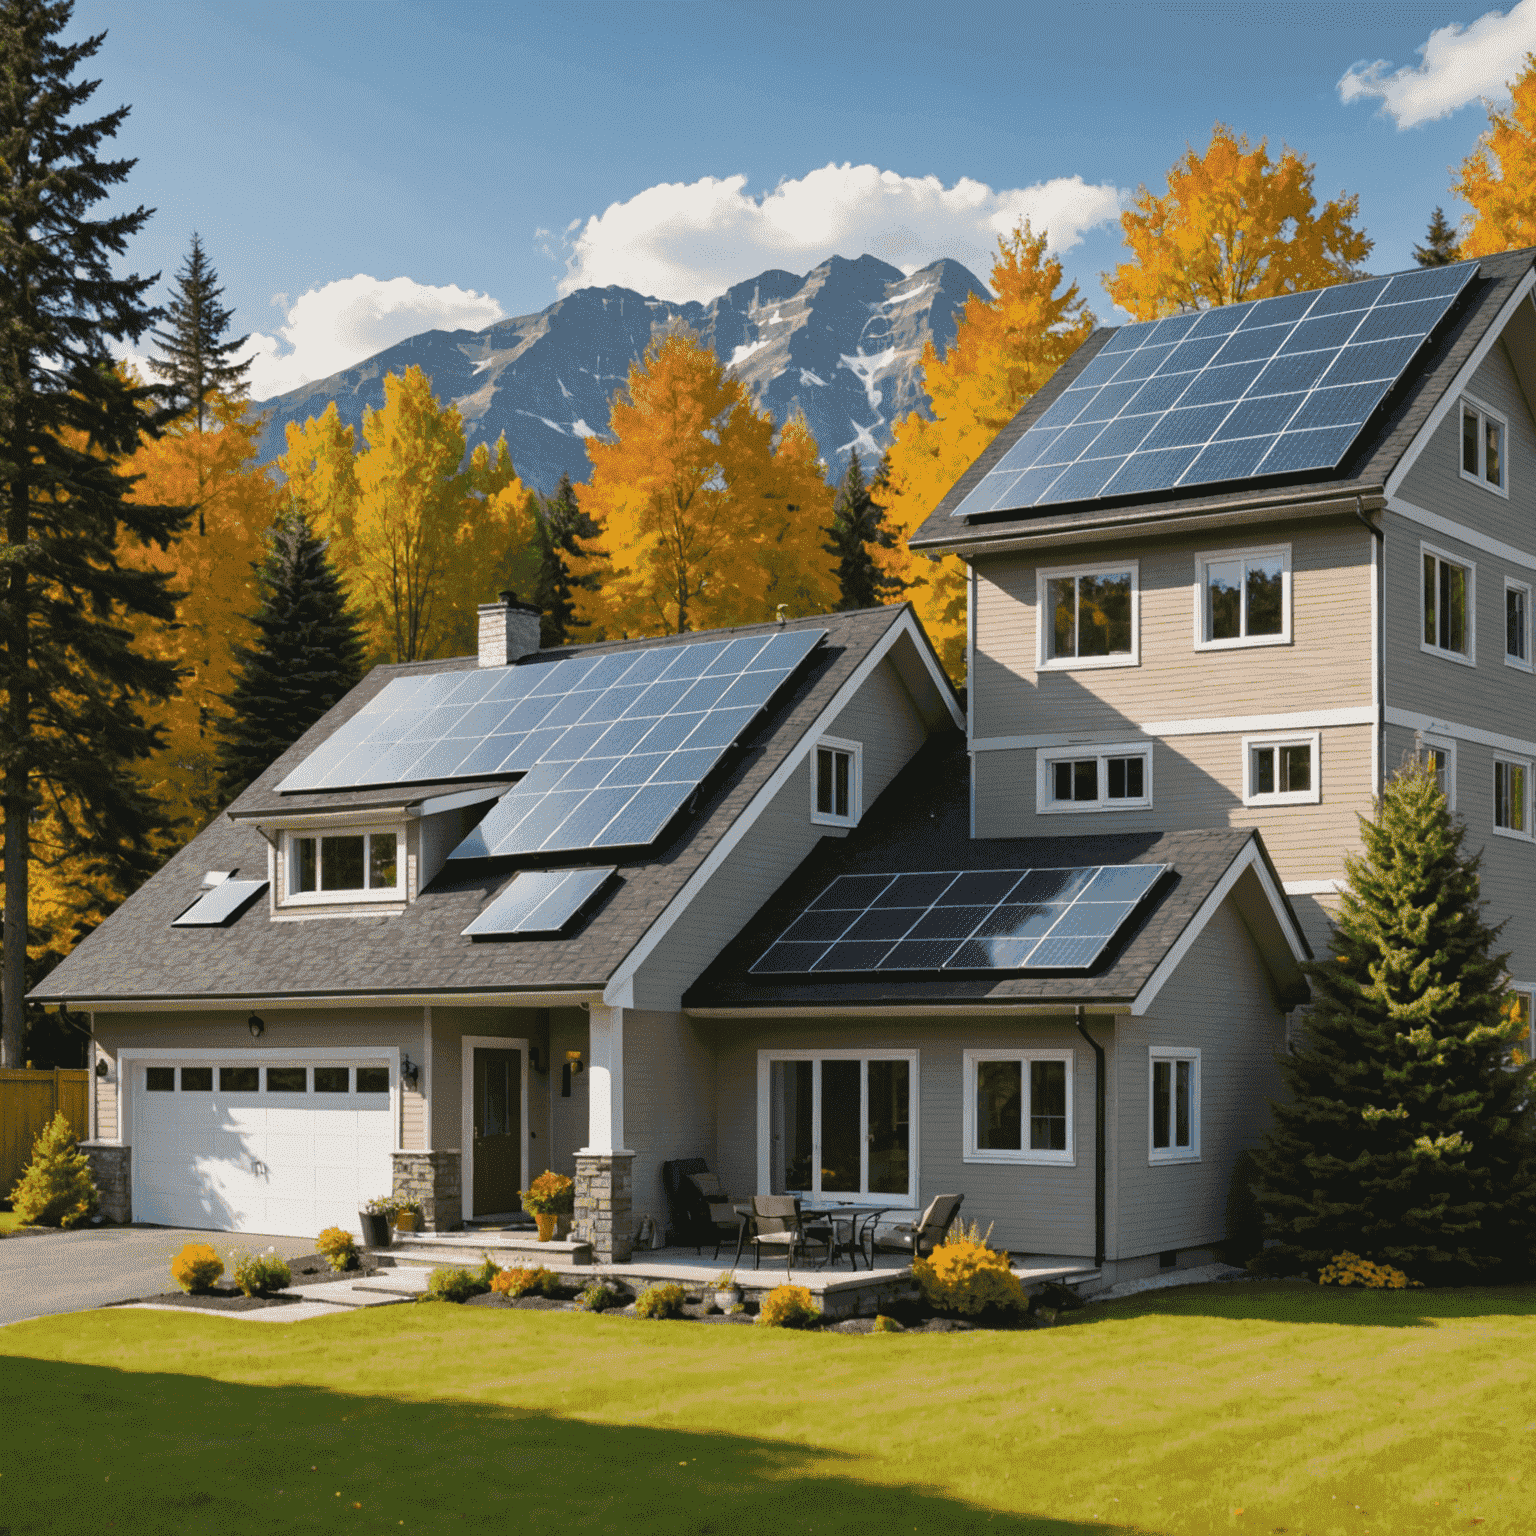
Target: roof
136, 957
1364, 471
921, 822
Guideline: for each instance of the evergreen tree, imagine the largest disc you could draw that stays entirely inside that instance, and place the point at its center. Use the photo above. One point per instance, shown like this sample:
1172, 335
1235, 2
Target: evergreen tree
1406, 1138
1439, 248
308, 655
70, 681
858, 521
559, 526
198, 360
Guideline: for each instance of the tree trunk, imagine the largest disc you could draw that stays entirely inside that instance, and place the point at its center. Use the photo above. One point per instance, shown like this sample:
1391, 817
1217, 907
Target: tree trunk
13, 967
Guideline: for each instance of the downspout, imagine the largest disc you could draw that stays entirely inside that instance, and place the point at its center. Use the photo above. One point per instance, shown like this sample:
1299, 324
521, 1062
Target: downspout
1098, 1141
1378, 645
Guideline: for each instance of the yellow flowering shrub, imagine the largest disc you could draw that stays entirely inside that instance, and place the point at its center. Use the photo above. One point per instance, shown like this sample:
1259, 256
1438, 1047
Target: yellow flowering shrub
1350, 1269
968, 1277
196, 1268
525, 1282
788, 1306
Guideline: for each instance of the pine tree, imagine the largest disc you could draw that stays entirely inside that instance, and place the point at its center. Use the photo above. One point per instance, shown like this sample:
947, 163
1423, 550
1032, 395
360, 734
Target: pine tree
70, 681
560, 526
1406, 1137
858, 521
308, 655
56, 1190
1439, 248
198, 360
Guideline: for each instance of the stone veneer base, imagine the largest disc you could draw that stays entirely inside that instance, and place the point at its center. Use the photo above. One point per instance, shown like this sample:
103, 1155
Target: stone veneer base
605, 1204
111, 1165
436, 1180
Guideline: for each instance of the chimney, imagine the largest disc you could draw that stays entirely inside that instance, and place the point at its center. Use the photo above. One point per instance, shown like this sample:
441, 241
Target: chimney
508, 629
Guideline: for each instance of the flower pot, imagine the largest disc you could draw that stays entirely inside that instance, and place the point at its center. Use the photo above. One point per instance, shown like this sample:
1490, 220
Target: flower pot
375, 1229
726, 1300
546, 1224
407, 1221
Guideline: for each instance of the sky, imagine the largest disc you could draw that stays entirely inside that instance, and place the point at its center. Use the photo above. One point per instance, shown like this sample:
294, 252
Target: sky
362, 170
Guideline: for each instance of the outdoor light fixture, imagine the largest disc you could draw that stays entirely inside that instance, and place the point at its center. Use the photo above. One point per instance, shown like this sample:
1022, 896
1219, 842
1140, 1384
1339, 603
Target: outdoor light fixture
575, 1062
101, 1066
410, 1073
256, 1027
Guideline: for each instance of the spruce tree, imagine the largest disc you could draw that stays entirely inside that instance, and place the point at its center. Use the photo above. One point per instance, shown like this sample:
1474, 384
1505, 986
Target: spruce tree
1406, 1138
858, 521
1439, 248
559, 526
309, 654
198, 359
70, 682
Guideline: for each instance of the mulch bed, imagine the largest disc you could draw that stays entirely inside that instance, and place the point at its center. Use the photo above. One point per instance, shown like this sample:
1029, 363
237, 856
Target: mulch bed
308, 1269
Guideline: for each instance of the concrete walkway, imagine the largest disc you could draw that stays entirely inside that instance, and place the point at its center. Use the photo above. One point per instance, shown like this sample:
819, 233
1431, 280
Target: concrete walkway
328, 1299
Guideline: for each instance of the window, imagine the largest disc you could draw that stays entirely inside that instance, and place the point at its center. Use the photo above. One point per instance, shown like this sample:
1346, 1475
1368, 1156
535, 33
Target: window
1281, 770
836, 787
1110, 778
1517, 624
373, 1079
1511, 797
839, 1125
1088, 617
331, 1079
160, 1079
1484, 452
287, 1079
1440, 753
197, 1079
1174, 1122
1449, 593
1018, 1107
351, 865
1243, 597
239, 1079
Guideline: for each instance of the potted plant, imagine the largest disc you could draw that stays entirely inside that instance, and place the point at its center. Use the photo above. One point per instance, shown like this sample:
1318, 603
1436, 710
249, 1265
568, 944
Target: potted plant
548, 1199
407, 1214
375, 1217
727, 1292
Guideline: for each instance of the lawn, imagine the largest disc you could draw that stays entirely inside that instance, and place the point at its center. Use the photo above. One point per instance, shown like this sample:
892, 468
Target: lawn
9, 1221
1261, 1408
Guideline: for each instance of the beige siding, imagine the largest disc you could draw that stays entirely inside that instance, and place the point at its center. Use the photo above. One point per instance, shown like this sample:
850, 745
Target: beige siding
1326, 665
449, 1027
1219, 1003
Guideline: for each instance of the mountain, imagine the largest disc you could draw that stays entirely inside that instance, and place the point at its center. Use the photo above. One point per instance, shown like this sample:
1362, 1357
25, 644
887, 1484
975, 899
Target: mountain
844, 344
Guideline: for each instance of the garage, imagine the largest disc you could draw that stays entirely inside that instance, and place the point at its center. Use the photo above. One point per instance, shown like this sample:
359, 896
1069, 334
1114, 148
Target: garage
272, 1145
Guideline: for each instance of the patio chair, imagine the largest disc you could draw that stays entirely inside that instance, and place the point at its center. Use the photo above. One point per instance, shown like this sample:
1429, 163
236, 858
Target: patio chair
724, 1218
775, 1223
699, 1209
919, 1238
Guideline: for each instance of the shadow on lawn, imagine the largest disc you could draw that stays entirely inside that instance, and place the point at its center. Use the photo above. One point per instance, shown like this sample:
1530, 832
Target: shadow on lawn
1339, 1306
159, 1452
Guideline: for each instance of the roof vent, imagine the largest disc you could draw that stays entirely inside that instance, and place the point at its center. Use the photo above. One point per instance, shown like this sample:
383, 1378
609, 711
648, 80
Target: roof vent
508, 629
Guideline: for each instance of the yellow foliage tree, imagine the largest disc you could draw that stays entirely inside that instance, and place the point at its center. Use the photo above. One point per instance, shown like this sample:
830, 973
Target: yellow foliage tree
1004, 350
1499, 177
1233, 225
320, 469
802, 573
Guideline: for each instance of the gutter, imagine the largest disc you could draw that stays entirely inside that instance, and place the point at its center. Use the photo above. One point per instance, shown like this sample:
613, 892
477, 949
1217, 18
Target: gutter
1099, 1160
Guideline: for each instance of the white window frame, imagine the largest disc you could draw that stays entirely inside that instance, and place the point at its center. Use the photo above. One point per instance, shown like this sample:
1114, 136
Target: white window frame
974, 1154
1525, 664
1469, 657
1425, 741
1203, 642
1524, 763
1311, 796
1470, 403
1527, 989
855, 752
322, 898
765, 1063
1046, 759
1172, 1154
1044, 661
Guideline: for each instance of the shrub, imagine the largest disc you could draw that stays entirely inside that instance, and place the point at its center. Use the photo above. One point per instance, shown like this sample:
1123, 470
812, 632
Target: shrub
660, 1301
259, 1274
598, 1297
1350, 1269
56, 1190
339, 1248
968, 1278
551, 1194
884, 1324
525, 1282
788, 1306
448, 1283
196, 1268
724, 1281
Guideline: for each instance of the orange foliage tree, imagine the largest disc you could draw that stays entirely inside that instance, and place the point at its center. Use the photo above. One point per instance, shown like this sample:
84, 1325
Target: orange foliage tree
1499, 177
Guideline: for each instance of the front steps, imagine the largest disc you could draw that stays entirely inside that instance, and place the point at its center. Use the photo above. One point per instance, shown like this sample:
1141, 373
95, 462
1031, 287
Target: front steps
507, 1248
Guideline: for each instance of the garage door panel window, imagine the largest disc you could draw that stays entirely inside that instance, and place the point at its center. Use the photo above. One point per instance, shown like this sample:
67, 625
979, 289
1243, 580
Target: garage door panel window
239, 1079
333, 1079
287, 1079
373, 1079
160, 1079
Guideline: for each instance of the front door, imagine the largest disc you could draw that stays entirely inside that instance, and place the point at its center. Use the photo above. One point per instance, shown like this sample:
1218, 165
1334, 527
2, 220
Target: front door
498, 1131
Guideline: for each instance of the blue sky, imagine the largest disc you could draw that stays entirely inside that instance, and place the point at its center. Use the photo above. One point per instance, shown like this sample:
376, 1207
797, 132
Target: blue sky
362, 171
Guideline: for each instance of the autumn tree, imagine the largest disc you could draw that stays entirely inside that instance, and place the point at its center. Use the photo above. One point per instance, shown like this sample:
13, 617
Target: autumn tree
1439, 248
198, 355
858, 527
560, 530
1233, 225
802, 578
319, 470
1005, 348
1499, 177
71, 683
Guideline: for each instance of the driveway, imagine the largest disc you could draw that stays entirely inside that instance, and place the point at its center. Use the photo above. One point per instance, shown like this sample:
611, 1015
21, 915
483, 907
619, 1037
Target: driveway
93, 1266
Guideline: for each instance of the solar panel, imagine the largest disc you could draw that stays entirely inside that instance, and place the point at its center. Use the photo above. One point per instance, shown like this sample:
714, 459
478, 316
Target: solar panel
977, 920
1274, 386
539, 901
225, 901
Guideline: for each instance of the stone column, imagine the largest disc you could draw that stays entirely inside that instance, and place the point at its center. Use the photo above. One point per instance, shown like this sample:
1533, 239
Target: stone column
436, 1180
111, 1165
605, 1204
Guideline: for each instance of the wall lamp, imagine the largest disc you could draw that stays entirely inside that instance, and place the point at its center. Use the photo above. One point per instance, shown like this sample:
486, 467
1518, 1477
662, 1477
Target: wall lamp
573, 1058
101, 1066
410, 1073
256, 1026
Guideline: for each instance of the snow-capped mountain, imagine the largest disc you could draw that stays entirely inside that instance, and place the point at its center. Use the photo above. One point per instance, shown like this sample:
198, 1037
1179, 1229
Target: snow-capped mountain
844, 344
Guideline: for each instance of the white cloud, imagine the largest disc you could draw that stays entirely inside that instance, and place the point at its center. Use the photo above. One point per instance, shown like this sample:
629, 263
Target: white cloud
1461, 65
338, 324
682, 241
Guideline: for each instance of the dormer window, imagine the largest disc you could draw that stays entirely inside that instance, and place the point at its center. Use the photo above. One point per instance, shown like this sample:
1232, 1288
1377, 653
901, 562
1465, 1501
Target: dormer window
1484, 447
346, 866
836, 788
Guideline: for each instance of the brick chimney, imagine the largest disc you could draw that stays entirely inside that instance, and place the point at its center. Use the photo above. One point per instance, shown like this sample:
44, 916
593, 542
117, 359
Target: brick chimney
508, 629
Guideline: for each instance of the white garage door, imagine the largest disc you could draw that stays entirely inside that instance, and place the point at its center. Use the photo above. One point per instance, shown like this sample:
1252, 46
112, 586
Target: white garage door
286, 1148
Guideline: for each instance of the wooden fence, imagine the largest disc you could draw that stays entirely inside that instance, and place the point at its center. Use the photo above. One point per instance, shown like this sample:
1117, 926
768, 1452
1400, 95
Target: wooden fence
28, 1101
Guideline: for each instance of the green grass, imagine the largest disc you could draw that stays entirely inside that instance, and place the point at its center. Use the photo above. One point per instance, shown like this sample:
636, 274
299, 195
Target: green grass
9, 1221
1259, 1408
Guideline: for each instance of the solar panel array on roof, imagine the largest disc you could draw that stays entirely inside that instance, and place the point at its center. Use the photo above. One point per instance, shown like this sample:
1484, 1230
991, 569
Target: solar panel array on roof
225, 901
539, 901
1270, 387
977, 920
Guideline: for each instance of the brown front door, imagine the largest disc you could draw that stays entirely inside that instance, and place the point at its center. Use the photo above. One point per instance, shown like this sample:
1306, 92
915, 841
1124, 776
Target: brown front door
498, 1126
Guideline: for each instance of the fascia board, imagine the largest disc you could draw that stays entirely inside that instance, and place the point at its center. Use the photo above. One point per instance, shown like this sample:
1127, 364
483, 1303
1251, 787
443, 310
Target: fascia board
222, 1002
976, 1010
